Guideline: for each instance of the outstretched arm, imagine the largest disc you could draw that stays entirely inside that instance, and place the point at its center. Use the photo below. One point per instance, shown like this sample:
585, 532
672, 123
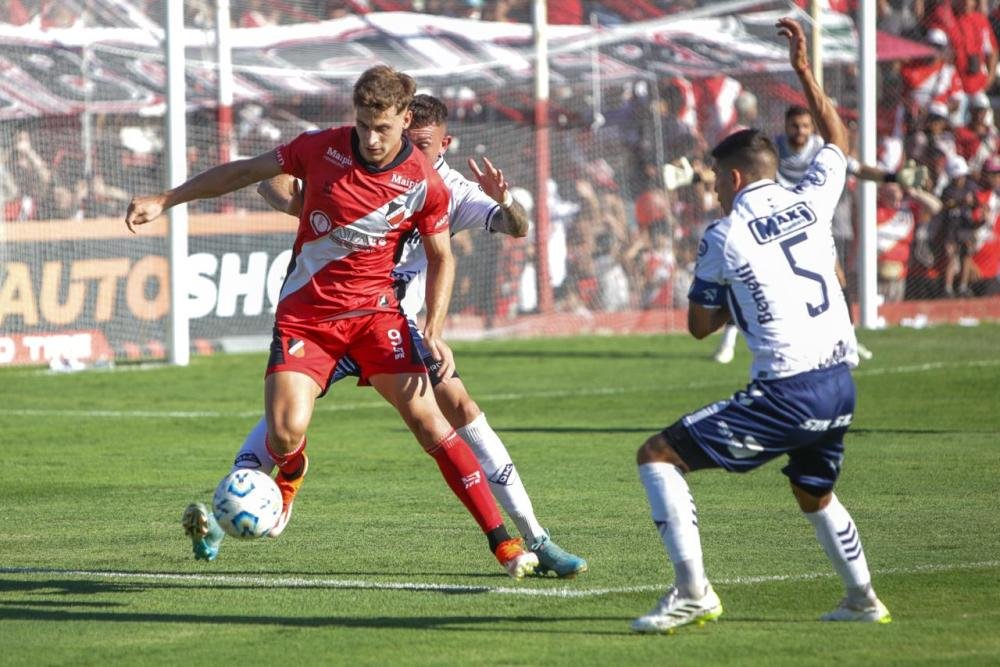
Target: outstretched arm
514, 220
219, 180
823, 110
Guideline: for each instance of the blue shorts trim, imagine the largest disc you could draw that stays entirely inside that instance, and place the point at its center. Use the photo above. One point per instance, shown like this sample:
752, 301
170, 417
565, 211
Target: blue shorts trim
804, 417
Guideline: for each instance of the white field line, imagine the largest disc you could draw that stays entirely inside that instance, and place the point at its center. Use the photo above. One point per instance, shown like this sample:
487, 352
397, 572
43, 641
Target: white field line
355, 584
331, 406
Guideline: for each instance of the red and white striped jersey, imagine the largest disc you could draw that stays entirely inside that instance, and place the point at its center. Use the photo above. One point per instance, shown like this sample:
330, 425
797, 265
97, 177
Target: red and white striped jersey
931, 82
354, 219
894, 232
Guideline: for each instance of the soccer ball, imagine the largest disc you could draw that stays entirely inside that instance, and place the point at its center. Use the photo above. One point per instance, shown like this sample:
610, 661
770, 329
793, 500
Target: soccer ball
247, 503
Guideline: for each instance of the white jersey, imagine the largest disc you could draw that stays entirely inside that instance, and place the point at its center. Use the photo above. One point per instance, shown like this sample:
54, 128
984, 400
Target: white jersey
469, 208
771, 260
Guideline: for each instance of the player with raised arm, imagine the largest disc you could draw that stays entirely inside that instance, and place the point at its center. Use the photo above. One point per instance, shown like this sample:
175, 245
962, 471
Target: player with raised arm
488, 206
769, 265
370, 189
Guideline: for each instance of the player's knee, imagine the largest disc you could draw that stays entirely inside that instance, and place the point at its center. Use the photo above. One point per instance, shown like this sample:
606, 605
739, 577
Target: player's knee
284, 435
812, 500
461, 413
657, 449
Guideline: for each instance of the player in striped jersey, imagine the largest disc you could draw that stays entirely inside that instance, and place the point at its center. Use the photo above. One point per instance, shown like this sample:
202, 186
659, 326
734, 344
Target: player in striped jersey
768, 264
486, 205
370, 188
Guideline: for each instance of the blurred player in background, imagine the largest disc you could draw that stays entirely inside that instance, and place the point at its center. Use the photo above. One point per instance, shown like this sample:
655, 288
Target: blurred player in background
370, 189
490, 207
768, 264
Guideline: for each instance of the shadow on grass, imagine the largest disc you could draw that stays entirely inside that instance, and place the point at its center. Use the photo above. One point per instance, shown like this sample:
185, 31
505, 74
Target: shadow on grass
18, 611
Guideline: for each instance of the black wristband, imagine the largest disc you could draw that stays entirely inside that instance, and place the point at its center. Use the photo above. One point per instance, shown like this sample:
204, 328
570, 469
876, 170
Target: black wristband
889, 177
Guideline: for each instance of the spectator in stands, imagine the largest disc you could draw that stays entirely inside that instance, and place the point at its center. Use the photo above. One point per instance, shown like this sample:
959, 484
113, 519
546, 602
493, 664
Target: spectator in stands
9, 193
897, 17
975, 47
978, 139
937, 128
984, 279
510, 11
614, 292
337, 9
32, 177
898, 214
931, 80
960, 217
657, 262
258, 13
14, 12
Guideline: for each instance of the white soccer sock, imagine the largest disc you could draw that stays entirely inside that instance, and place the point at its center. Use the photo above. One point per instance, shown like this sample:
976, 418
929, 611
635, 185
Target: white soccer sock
840, 539
677, 521
729, 336
253, 453
504, 480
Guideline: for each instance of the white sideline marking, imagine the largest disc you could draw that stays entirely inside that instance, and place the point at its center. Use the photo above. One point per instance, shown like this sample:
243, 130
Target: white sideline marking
562, 592
330, 406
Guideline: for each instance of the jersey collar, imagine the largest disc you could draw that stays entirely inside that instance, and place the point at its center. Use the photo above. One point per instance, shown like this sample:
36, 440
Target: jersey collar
404, 152
756, 185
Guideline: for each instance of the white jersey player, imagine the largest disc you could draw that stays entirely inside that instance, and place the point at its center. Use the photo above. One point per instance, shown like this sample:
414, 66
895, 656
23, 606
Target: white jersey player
769, 265
771, 261
487, 205
470, 208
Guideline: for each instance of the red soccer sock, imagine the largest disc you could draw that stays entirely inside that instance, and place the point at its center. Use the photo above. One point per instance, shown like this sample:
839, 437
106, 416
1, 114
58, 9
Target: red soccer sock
290, 464
467, 480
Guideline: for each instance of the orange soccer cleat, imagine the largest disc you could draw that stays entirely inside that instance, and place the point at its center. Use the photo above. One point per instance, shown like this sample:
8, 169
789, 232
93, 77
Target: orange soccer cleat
289, 488
517, 560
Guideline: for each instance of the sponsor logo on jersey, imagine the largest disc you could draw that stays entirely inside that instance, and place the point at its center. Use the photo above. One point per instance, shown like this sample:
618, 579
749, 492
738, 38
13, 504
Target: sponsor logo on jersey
319, 222
247, 460
440, 223
781, 223
280, 154
471, 480
749, 279
338, 158
402, 181
352, 239
395, 213
296, 347
816, 175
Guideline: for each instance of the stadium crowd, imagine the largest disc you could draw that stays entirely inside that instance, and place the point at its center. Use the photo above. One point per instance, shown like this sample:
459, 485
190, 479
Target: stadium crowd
623, 231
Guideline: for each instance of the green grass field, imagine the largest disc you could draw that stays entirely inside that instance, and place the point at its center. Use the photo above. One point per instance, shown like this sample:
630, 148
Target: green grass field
382, 566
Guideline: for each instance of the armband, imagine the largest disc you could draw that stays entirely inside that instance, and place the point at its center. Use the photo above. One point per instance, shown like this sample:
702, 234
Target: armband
508, 200
890, 177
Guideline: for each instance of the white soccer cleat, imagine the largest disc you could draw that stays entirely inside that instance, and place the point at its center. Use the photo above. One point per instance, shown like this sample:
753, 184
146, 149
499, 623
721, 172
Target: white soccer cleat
724, 354
875, 612
673, 611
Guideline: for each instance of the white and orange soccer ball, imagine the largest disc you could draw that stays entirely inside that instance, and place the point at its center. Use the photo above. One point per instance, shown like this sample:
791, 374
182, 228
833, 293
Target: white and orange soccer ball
247, 504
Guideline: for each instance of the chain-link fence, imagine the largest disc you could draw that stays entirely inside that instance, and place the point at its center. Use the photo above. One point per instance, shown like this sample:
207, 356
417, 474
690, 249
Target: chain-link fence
81, 128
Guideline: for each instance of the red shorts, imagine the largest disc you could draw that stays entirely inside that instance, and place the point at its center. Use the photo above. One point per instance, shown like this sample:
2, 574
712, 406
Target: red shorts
379, 342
